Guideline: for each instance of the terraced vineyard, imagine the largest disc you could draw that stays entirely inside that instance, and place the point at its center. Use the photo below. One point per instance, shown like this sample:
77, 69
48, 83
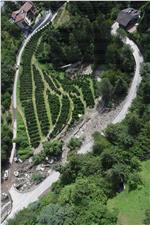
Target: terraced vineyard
40, 102
50, 101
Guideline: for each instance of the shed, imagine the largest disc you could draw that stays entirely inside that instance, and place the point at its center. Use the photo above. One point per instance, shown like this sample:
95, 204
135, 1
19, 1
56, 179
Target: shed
128, 17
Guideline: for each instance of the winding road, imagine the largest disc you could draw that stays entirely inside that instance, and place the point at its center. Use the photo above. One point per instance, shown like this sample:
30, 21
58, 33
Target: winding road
137, 76
48, 18
21, 200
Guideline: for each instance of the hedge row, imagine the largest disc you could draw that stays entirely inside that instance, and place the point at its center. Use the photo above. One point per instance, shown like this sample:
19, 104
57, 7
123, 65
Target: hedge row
78, 109
87, 92
40, 103
26, 91
31, 123
54, 104
51, 84
63, 118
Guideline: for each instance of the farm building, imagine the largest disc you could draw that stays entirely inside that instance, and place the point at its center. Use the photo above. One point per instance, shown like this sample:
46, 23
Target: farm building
128, 17
24, 16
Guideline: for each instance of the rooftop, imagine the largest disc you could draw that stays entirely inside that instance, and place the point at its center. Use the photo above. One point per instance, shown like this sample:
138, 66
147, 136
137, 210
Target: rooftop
20, 14
127, 15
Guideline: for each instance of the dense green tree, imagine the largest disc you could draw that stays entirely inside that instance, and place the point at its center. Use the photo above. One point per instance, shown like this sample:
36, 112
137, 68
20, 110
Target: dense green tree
119, 56
145, 69
106, 90
6, 140
21, 142
147, 217
53, 148
114, 180
70, 171
112, 132
134, 124
101, 38
142, 37
114, 85
96, 214
39, 158
113, 75
55, 214
53, 5
100, 143
65, 196
24, 217
134, 181
107, 160
120, 89
126, 56
146, 92
74, 143
113, 54
72, 52
86, 189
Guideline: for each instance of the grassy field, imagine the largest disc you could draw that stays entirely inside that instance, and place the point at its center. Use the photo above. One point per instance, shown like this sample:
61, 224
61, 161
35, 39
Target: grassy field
132, 205
62, 17
24, 151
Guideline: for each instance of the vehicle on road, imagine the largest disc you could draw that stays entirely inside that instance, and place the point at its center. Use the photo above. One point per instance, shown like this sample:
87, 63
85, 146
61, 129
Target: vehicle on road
5, 175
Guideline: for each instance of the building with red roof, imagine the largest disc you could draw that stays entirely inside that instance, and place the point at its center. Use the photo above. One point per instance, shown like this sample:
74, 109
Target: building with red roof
24, 16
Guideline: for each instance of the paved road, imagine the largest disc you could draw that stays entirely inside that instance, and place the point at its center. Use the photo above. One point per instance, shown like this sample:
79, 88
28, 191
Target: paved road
43, 23
22, 200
